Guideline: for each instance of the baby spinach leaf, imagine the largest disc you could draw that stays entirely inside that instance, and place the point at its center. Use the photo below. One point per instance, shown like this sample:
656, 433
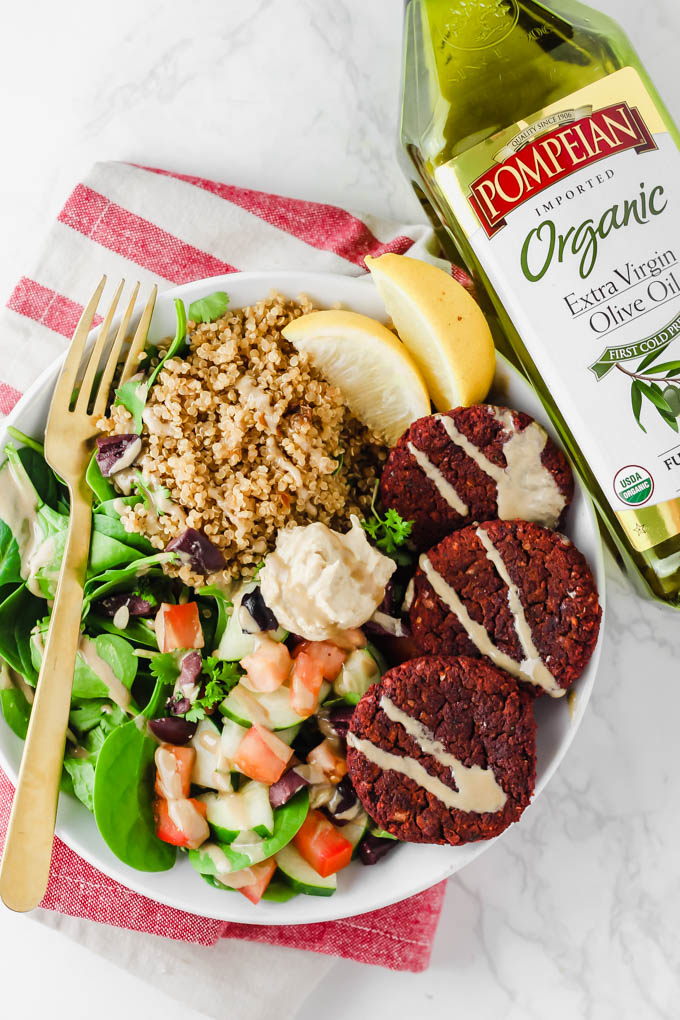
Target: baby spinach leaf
81, 770
118, 653
53, 528
102, 487
138, 631
209, 308
85, 715
123, 800
113, 527
41, 475
10, 559
160, 694
18, 615
115, 651
16, 710
108, 506
80, 765
118, 578
21, 437
132, 396
178, 345
222, 604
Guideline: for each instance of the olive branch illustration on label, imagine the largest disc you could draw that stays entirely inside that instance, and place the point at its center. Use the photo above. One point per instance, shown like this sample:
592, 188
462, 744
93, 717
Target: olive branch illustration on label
658, 385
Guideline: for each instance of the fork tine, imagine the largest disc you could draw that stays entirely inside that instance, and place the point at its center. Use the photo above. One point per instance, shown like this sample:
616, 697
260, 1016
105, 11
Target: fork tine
95, 356
137, 345
67, 377
101, 401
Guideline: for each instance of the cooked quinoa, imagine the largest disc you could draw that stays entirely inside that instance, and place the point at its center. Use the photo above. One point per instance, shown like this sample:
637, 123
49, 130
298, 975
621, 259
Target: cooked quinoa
247, 437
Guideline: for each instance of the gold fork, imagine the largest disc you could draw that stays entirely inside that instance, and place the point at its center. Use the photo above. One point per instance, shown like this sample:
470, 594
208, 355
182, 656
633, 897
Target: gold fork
69, 441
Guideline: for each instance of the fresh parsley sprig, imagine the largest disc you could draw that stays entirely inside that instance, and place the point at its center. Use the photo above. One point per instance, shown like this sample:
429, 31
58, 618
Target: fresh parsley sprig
220, 677
389, 533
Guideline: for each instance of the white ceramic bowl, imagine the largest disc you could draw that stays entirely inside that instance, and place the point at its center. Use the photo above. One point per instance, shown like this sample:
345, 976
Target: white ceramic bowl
411, 868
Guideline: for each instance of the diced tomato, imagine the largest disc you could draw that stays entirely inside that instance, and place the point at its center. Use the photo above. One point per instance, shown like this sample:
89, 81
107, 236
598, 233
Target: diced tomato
263, 874
178, 626
173, 771
192, 833
328, 655
305, 684
268, 666
262, 756
332, 764
321, 845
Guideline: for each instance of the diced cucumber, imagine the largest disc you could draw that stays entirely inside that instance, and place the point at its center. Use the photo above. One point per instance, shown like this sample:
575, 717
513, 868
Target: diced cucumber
235, 644
271, 709
287, 821
232, 735
289, 735
232, 813
301, 876
278, 891
355, 830
360, 671
206, 744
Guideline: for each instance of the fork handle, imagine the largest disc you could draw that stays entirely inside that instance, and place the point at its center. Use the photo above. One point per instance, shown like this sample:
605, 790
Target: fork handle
25, 867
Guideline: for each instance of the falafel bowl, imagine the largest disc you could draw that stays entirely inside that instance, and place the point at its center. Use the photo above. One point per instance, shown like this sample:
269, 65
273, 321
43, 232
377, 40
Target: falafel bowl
333, 640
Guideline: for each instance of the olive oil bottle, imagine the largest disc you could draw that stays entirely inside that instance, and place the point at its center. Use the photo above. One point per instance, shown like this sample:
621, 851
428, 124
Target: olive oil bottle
531, 131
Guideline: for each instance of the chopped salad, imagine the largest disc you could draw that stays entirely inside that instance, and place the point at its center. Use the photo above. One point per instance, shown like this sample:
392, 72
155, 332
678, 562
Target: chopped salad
199, 725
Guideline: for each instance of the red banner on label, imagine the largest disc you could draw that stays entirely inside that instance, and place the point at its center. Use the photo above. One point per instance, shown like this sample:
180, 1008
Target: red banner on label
553, 156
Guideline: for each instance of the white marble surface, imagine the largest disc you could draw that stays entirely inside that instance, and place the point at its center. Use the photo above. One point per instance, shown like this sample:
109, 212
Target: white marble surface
574, 914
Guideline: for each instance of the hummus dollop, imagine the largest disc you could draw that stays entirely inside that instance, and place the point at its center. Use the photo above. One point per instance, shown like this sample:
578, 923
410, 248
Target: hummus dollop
319, 583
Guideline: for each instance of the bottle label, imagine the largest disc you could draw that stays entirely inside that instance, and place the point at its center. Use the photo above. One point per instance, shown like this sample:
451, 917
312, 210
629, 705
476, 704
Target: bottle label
574, 214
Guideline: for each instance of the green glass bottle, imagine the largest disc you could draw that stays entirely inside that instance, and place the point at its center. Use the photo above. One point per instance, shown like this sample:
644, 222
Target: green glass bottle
537, 142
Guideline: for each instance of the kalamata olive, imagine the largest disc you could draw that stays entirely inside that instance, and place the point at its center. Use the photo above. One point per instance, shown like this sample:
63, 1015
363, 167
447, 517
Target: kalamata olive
253, 602
203, 555
373, 848
286, 787
339, 718
190, 669
177, 705
117, 452
135, 605
172, 730
343, 802
392, 599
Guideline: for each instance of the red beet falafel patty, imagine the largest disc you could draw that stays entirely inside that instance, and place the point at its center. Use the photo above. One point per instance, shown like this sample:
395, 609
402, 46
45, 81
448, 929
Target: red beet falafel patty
517, 593
443, 750
475, 464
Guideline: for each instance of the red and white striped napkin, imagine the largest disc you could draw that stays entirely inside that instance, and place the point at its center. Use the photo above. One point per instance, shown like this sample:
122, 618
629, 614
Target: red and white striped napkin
166, 228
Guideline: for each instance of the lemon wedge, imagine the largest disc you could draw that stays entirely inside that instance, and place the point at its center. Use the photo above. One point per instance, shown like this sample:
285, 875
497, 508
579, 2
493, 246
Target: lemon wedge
441, 325
369, 365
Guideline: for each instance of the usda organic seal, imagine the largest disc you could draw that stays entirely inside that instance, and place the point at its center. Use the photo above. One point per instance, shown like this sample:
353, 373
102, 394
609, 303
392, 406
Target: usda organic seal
633, 485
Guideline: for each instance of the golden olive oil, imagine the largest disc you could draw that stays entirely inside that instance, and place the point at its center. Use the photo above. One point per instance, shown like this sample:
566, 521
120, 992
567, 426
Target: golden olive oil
533, 134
